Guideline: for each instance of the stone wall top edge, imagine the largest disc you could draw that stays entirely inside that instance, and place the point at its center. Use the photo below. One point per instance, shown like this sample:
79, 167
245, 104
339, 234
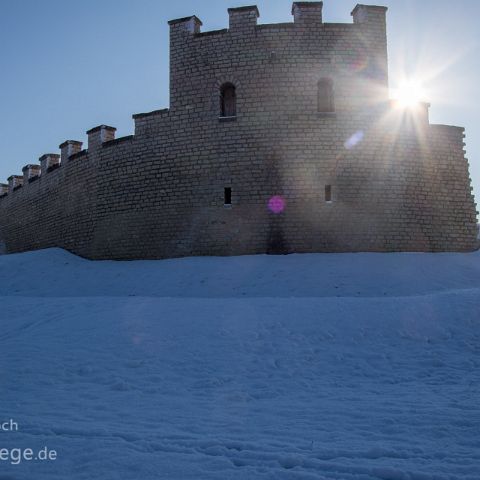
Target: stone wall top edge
111, 143
184, 19
370, 7
211, 33
71, 142
246, 8
82, 153
308, 4
163, 111
46, 155
100, 127
441, 126
30, 165
266, 26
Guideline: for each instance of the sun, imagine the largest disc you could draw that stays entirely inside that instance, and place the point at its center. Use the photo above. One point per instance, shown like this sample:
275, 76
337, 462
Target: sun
409, 94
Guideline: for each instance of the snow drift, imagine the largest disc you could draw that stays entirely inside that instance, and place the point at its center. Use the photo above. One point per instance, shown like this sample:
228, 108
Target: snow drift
345, 366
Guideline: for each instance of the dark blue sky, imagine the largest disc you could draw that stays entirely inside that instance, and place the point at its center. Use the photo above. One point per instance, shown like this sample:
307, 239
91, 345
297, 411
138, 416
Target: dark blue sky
68, 66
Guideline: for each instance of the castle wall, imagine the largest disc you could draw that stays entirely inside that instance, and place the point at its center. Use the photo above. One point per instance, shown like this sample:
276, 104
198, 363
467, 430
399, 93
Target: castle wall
55, 210
398, 185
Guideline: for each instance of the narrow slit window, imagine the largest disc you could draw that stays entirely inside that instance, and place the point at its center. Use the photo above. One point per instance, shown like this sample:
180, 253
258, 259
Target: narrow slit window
326, 103
227, 196
228, 100
328, 193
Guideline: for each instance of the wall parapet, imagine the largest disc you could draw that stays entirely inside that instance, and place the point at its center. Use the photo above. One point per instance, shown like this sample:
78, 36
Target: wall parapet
69, 148
99, 135
80, 154
14, 182
30, 172
243, 19
143, 121
117, 141
211, 33
305, 14
189, 25
446, 128
175, 21
138, 116
49, 160
368, 13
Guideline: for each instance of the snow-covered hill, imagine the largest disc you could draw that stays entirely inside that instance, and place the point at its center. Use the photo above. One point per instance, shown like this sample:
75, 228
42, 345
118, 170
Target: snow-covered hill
347, 366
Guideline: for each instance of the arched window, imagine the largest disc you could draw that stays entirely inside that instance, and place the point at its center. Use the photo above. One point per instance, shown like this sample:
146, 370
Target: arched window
228, 100
326, 101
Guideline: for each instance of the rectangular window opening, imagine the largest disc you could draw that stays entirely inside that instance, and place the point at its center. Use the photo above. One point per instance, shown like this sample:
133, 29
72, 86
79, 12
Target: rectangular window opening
328, 193
227, 196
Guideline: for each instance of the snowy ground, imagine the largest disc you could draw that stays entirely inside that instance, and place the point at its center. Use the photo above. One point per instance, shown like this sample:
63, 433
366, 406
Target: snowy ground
347, 366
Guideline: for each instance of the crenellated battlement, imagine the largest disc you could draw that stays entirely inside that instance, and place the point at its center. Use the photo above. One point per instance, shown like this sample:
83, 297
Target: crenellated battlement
69, 148
305, 14
243, 20
49, 162
30, 173
294, 112
372, 14
14, 182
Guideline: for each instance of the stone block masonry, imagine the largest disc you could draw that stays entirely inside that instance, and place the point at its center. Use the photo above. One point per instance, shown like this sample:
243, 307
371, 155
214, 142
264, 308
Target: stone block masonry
313, 155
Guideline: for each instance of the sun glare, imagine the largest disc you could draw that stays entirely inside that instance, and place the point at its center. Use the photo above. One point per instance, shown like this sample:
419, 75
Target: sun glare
409, 94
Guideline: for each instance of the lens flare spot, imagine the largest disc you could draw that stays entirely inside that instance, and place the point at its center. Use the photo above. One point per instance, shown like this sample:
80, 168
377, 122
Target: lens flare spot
354, 140
276, 204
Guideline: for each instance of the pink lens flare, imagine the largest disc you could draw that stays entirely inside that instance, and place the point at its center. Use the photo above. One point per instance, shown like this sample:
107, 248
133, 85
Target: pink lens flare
276, 204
